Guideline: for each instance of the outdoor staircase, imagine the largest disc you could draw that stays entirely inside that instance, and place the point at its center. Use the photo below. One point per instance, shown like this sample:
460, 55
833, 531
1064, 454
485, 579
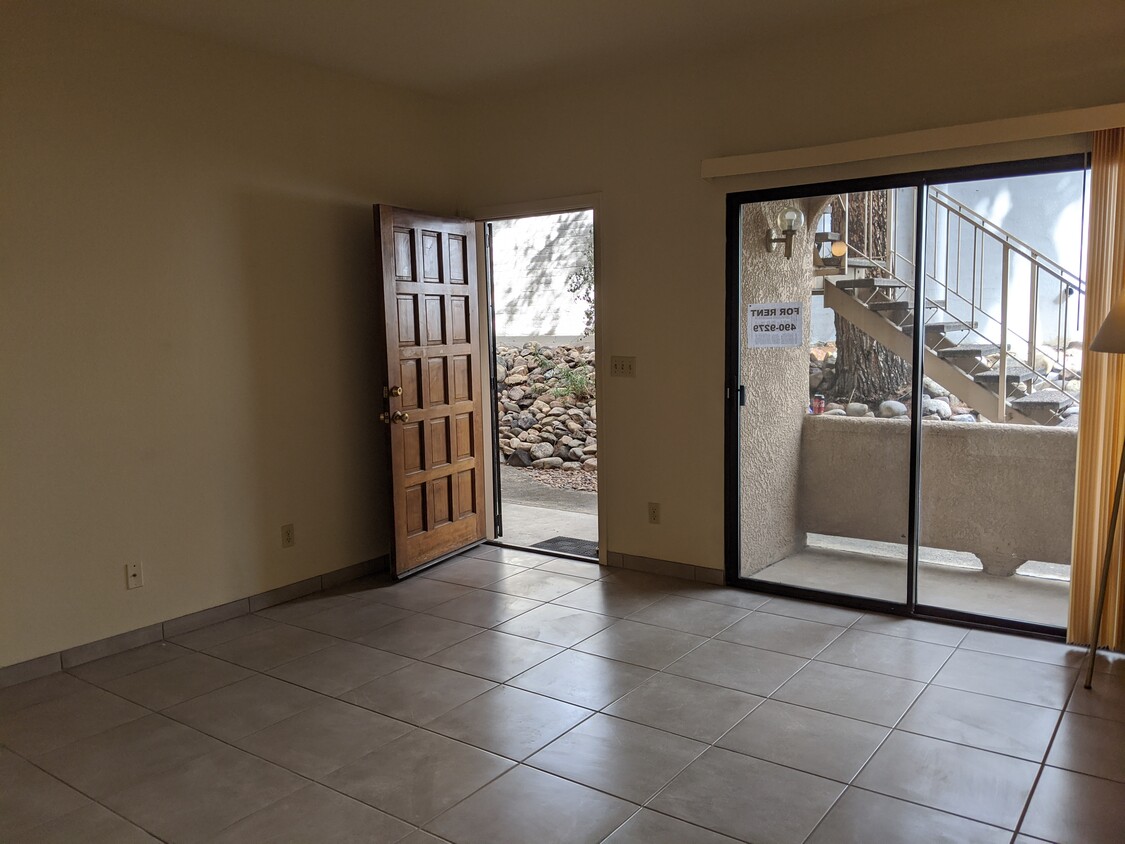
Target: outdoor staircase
867, 293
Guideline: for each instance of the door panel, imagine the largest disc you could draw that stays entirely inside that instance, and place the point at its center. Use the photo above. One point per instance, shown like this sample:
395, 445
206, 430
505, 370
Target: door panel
434, 406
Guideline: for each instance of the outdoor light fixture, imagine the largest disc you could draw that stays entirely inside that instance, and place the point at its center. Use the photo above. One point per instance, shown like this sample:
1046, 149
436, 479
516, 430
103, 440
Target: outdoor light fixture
839, 249
789, 220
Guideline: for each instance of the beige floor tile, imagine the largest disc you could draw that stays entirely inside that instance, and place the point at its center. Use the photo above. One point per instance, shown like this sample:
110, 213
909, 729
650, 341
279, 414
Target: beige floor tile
738, 795
877, 698
1105, 700
751, 670
1024, 647
526, 805
582, 679
354, 620
539, 585
864, 817
237, 710
741, 598
686, 707
1073, 808
174, 682
224, 631
703, 618
574, 568
419, 636
420, 836
43, 727
92, 824
270, 648
1007, 677
418, 776
988, 723
1090, 745
806, 739
417, 593
418, 693
315, 814
976, 784
782, 634
483, 608
622, 758
508, 556
39, 690
29, 797
196, 800
469, 571
912, 628
325, 737
906, 658
340, 668
126, 755
810, 611
291, 611
100, 671
557, 625
648, 827
494, 656
641, 644
608, 598
509, 722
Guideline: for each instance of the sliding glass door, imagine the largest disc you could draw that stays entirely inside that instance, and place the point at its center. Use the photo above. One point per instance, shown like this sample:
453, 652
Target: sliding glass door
904, 389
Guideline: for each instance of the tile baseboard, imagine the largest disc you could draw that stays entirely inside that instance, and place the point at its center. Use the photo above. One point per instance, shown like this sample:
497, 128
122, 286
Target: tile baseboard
650, 565
50, 663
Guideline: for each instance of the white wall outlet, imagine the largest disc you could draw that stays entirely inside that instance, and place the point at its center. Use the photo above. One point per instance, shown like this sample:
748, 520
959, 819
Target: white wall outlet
622, 367
653, 513
288, 537
134, 576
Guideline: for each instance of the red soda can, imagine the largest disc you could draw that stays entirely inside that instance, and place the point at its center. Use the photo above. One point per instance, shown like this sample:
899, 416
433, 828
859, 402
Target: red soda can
818, 404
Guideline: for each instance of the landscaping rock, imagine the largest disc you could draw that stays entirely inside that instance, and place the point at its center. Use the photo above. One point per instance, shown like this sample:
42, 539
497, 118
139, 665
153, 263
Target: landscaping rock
890, 409
856, 408
548, 463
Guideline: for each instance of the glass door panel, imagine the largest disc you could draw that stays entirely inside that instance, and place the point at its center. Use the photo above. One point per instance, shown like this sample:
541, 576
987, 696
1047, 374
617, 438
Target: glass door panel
1002, 395
827, 321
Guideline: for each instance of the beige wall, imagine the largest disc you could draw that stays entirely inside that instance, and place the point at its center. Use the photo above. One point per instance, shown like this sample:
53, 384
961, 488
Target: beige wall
186, 325
639, 141
188, 334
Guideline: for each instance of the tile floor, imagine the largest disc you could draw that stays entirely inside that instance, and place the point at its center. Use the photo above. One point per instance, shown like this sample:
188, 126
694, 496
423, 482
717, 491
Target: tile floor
511, 697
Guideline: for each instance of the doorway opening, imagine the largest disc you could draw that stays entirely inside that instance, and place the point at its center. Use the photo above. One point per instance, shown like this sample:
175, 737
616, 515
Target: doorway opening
905, 362
541, 290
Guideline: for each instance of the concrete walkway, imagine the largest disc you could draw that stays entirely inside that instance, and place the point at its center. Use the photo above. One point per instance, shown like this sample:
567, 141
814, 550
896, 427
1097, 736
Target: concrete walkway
534, 512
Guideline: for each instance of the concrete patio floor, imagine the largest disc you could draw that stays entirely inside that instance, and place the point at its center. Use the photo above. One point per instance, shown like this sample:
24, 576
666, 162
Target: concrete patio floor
945, 580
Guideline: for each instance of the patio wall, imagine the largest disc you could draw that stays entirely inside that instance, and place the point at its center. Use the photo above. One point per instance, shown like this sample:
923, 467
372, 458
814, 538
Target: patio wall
1002, 492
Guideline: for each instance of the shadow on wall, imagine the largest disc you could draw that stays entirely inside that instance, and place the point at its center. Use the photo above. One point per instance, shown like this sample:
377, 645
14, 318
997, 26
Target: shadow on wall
316, 353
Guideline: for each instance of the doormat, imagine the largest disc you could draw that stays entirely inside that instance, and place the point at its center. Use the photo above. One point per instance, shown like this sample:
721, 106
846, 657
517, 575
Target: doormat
569, 545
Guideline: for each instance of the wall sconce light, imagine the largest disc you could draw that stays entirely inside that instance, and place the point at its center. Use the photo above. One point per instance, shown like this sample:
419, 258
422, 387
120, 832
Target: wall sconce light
789, 220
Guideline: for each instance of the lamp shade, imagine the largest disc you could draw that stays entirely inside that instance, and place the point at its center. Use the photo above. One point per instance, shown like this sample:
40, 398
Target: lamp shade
1111, 336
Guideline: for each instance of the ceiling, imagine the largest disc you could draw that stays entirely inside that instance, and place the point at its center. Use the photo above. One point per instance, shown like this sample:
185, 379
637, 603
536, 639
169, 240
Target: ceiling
452, 47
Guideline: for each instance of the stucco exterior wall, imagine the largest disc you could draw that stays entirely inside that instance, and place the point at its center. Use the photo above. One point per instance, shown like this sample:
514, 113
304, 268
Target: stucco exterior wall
1002, 492
777, 395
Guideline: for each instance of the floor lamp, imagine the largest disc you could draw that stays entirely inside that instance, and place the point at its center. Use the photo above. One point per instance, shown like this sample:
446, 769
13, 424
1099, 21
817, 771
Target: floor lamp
1110, 339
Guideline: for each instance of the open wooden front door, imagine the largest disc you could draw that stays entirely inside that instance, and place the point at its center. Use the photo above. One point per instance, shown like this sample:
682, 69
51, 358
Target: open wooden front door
434, 403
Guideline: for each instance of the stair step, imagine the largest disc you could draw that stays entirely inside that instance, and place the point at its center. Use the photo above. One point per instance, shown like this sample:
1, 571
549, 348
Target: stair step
1016, 372
890, 306
942, 327
827, 237
1053, 400
969, 350
863, 264
880, 283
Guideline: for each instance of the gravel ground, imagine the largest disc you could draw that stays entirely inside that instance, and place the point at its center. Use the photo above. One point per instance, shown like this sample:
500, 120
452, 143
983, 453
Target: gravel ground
560, 479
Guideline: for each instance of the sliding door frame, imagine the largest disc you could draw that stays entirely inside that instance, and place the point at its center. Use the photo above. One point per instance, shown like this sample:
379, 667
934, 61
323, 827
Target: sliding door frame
735, 389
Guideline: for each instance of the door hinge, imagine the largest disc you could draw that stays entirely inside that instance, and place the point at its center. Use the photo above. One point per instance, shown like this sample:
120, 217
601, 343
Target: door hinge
499, 525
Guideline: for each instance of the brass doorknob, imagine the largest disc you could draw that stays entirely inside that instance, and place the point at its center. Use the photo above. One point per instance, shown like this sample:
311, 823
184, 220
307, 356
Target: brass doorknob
400, 417
395, 391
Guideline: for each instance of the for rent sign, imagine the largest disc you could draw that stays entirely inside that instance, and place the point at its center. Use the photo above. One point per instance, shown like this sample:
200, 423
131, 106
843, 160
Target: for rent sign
775, 326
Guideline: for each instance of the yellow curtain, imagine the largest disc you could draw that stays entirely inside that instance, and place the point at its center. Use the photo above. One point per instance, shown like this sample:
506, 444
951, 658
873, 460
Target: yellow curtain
1101, 425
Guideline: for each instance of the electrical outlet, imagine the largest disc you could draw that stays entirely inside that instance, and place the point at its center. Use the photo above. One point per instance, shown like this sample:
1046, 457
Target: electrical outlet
134, 576
288, 537
653, 513
623, 367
